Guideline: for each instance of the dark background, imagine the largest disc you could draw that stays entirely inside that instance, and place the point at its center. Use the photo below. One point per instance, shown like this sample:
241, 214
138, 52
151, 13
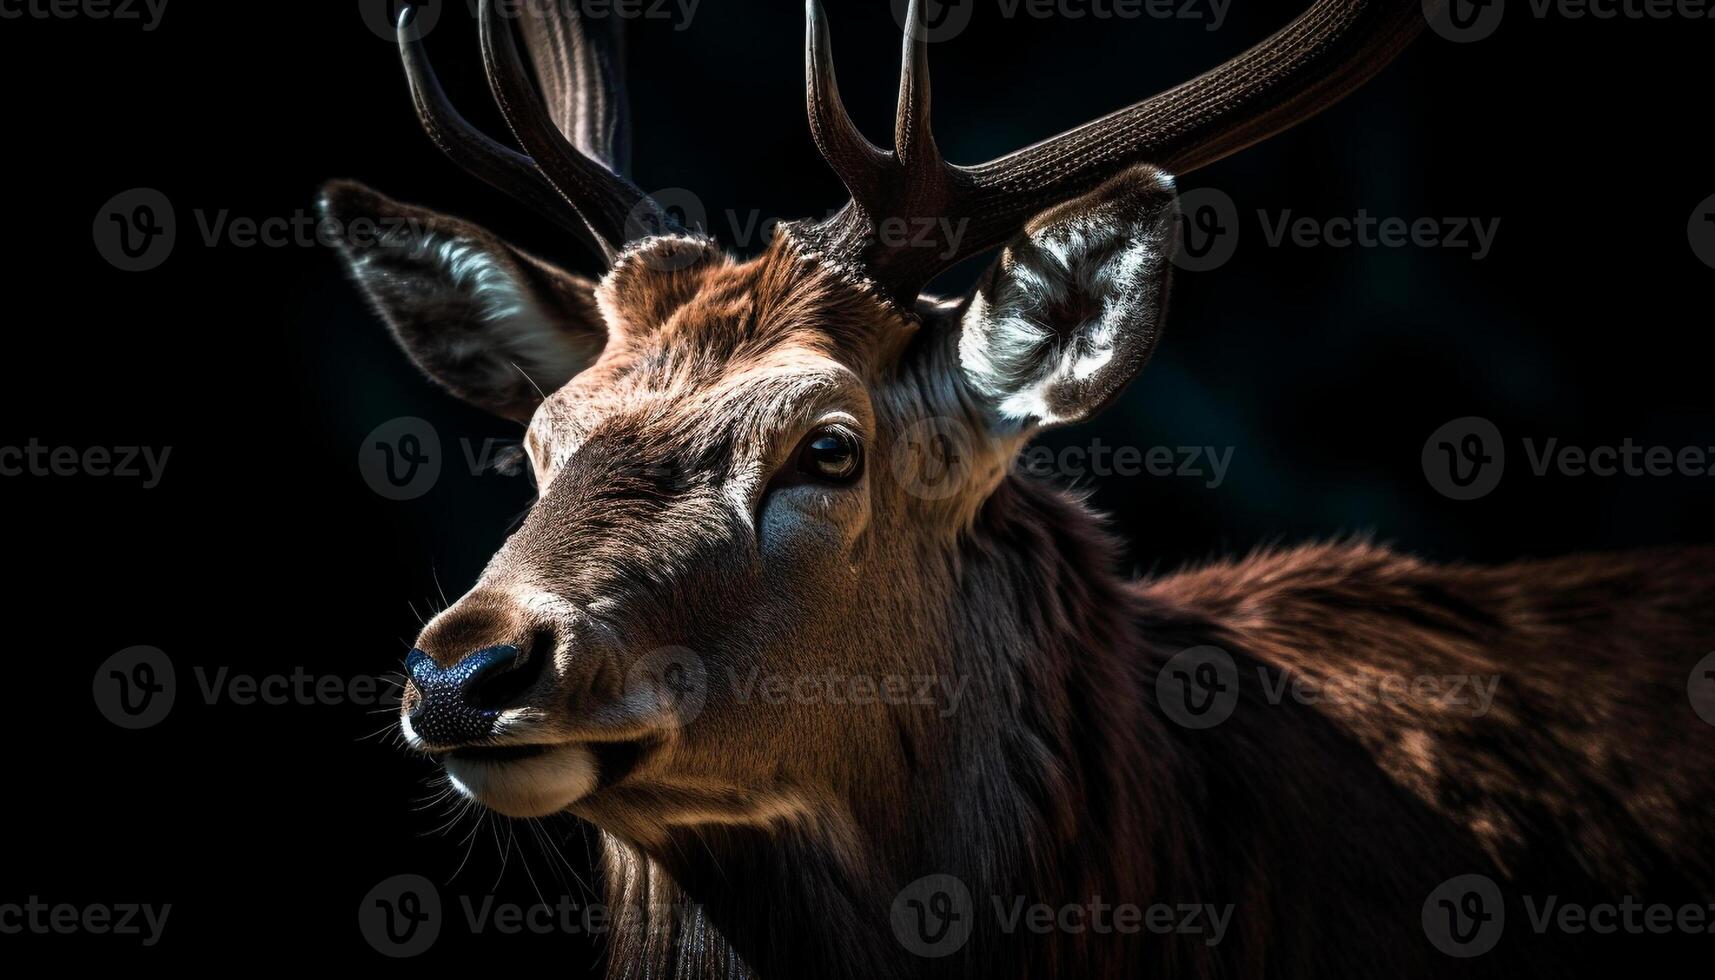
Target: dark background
264, 551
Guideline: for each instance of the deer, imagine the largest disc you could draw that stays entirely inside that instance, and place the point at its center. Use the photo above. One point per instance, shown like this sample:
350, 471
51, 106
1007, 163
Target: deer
752, 471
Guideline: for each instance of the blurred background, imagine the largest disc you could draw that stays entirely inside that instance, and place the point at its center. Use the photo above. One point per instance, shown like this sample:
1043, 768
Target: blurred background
1318, 372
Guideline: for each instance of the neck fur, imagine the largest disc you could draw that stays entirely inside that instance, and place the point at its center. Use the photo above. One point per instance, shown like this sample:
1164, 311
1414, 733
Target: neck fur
1014, 803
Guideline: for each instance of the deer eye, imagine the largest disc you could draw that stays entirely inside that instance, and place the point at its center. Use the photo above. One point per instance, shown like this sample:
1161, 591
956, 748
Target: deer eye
831, 453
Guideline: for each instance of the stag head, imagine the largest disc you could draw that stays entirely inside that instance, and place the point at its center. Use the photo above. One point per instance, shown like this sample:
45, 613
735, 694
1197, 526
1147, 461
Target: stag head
736, 460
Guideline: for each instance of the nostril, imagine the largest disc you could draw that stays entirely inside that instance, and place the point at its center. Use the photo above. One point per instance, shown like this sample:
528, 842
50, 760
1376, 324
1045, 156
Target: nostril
420, 677
506, 682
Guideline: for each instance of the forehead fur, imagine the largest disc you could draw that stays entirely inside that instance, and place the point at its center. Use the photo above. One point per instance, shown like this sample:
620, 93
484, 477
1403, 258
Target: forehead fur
685, 292
694, 335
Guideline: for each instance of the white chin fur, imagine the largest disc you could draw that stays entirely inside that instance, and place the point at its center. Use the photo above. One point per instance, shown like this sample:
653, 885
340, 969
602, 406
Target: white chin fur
533, 787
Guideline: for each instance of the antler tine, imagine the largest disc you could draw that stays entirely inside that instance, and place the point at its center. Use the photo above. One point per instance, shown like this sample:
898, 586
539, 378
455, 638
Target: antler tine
497, 164
913, 139
910, 180
1314, 61
613, 207
580, 67
860, 164
1311, 63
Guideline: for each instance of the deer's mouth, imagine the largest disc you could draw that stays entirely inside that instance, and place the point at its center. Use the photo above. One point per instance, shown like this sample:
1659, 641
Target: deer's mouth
494, 754
523, 780
535, 780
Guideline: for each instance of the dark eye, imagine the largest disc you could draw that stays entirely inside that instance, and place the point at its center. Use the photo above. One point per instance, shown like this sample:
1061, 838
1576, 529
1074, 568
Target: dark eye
831, 453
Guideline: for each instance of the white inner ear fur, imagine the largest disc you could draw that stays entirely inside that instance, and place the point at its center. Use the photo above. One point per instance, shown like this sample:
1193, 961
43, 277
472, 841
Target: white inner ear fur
1105, 259
472, 270
525, 338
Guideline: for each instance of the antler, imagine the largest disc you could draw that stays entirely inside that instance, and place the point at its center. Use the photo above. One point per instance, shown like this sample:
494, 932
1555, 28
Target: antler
1310, 64
574, 172
580, 70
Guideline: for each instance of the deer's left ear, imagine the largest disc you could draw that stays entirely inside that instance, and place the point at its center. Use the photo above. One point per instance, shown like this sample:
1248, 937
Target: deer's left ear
492, 325
1073, 307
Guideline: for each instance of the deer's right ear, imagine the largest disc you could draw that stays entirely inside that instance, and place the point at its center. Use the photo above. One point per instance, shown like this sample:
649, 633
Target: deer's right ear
494, 326
1073, 307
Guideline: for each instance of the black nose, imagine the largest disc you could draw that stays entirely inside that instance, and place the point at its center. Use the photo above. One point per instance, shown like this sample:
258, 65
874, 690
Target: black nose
457, 705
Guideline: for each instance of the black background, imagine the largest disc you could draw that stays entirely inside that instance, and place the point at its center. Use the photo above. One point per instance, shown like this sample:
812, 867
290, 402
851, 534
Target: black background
263, 550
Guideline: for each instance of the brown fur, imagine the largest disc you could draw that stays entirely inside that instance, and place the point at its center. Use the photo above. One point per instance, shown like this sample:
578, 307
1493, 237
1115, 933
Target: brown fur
772, 838
1591, 755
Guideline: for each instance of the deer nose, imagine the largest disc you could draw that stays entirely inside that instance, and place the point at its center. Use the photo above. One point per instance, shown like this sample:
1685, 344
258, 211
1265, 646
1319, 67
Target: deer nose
459, 704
